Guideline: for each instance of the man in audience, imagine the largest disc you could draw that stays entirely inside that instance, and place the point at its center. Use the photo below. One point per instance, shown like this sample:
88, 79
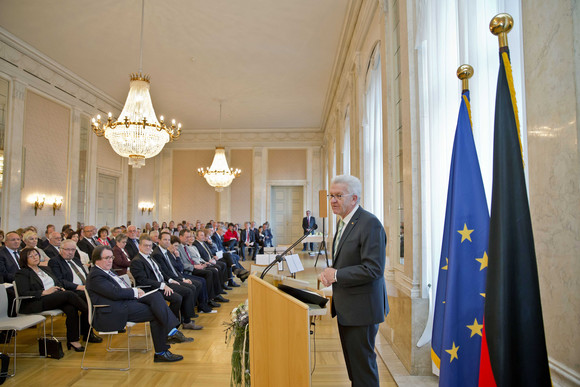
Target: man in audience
164, 258
147, 273
70, 271
268, 237
194, 264
247, 240
9, 256
54, 242
42, 243
154, 235
308, 223
89, 242
205, 253
126, 304
132, 246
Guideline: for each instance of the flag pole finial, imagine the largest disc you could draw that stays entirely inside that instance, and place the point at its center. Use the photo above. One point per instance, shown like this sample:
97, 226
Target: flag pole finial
500, 25
464, 72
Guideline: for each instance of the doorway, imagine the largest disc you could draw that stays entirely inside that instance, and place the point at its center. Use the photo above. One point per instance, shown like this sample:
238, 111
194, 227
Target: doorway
286, 213
106, 200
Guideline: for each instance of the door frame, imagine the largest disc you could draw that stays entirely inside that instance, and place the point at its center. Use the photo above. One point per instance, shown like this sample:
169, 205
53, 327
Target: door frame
120, 188
295, 183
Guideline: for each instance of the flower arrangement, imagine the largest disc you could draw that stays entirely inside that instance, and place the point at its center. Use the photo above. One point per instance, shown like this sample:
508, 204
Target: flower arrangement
237, 329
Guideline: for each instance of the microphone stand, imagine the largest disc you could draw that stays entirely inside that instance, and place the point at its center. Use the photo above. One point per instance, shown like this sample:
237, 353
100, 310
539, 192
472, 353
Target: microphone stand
280, 257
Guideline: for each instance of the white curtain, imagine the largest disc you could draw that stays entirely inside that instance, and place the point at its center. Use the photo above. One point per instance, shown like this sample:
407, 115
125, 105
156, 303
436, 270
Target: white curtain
451, 33
373, 139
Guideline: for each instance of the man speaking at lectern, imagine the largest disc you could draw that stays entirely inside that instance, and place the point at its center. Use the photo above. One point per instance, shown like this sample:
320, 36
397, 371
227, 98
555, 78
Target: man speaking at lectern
357, 276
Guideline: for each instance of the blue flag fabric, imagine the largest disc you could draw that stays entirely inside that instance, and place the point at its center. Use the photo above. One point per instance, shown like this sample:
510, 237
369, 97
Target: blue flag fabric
458, 318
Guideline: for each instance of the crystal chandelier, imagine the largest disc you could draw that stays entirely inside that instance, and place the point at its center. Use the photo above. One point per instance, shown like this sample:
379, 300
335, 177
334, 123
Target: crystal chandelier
136, 133
219, 175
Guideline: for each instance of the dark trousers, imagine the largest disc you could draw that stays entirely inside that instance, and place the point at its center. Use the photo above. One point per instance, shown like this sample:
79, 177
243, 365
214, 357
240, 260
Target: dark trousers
201, 284
71, 304
154, 309
175, 301
358, 347
212, 280
187, 306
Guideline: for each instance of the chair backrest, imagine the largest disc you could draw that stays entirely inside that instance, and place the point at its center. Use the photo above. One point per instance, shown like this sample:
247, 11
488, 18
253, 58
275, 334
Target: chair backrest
3, 302
16, 299
89, 306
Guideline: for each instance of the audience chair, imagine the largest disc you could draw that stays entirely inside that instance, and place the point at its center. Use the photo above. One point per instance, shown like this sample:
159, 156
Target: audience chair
128, 349
46, 313
17, 324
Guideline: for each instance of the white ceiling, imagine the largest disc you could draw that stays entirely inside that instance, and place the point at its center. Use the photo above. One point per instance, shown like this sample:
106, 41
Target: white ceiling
271, 61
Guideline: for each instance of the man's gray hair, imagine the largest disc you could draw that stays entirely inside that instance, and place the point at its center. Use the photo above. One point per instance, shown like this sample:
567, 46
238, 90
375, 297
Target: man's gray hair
352, 183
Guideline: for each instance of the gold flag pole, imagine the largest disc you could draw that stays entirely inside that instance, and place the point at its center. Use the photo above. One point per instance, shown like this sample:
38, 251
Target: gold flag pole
464, 72
500, 25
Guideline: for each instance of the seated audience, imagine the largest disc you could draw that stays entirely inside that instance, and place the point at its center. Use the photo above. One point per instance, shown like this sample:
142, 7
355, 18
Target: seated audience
49, 293
231, 237
121, 262
132, 246
103, 237
89, 241
9, 257
268, 237
30, 239
127, 304
79, 254
54, 241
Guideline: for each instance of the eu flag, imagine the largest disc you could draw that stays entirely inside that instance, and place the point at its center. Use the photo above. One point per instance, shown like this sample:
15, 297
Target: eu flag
458, 319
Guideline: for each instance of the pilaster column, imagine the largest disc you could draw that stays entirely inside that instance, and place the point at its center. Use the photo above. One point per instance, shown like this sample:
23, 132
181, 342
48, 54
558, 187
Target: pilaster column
165, 185
71, 195
258, 209
13, 156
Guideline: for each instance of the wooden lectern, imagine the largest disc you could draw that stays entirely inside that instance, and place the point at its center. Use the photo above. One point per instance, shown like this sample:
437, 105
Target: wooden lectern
279, 337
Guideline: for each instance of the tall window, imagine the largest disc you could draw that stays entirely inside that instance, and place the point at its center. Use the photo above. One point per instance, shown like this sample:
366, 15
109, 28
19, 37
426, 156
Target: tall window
346, 144
373, 138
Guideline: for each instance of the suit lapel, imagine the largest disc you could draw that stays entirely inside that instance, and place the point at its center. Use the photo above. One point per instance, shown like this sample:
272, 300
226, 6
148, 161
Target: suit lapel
347, 229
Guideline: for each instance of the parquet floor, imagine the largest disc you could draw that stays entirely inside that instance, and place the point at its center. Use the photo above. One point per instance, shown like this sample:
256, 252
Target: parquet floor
206, 363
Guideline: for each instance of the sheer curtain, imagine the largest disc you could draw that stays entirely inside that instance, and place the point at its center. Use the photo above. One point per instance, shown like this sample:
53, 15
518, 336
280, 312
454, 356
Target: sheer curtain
451, 33
373, 138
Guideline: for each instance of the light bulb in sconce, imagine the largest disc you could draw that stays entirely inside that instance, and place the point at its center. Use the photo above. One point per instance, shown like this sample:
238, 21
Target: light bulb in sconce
56, 204
146, 206
37, 202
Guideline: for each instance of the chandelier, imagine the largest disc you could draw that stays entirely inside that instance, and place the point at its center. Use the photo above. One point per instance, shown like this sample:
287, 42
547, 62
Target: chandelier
219, 175
136, 133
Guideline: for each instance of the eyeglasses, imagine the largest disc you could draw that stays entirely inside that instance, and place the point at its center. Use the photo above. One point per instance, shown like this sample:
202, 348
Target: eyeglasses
108, 258
337, 196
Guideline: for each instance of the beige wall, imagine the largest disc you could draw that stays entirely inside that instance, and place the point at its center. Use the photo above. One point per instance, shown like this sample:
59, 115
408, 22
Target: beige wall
287, 164
106, 156
241, 188
192, 197
46, 128
554, 169
145, 191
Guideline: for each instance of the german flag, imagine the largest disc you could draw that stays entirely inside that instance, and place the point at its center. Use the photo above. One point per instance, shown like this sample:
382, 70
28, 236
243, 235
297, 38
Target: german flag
513, 346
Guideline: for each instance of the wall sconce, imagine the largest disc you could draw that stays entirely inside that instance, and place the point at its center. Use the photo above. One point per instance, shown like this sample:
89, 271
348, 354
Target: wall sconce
38, 203
146, 206
56, 204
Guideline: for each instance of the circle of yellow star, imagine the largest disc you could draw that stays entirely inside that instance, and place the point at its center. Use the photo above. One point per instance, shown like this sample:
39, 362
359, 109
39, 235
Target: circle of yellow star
475, 328
483, 261
447, 264
453, 352
465, 233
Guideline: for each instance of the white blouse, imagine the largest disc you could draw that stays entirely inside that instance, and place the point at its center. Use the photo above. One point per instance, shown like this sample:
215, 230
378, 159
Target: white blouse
47, 280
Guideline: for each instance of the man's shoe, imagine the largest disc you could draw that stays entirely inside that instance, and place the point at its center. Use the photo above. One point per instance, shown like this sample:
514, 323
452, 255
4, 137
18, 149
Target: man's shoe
226, 287
221, 299
210, 311
213, 304
93, 338
167, 357
177, 338
223, 292
233, 284
191, 325
244, 275
204, 308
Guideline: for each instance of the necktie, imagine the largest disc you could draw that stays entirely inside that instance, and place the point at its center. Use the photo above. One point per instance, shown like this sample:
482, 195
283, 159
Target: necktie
170, 264
77, 272
119, 280
155, 269
187, 254
16, 257
338, 235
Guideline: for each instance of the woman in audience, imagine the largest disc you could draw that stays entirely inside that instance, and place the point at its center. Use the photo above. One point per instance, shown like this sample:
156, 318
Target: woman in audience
48, 293
84, 257
121, 261
103, 236
30, 240
163, 225
231, 237
260, 240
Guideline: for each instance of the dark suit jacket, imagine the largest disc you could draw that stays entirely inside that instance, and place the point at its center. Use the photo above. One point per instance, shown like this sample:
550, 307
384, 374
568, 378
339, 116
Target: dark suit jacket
63, 272
29, 284
308, 225
51, 251
8, 266
131, 249
144, 274
86, 246
360, 295
243, 237
202, 250
158, 257
104, 290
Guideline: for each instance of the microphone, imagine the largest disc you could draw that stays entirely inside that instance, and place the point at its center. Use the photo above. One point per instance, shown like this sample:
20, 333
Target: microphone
313, 228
